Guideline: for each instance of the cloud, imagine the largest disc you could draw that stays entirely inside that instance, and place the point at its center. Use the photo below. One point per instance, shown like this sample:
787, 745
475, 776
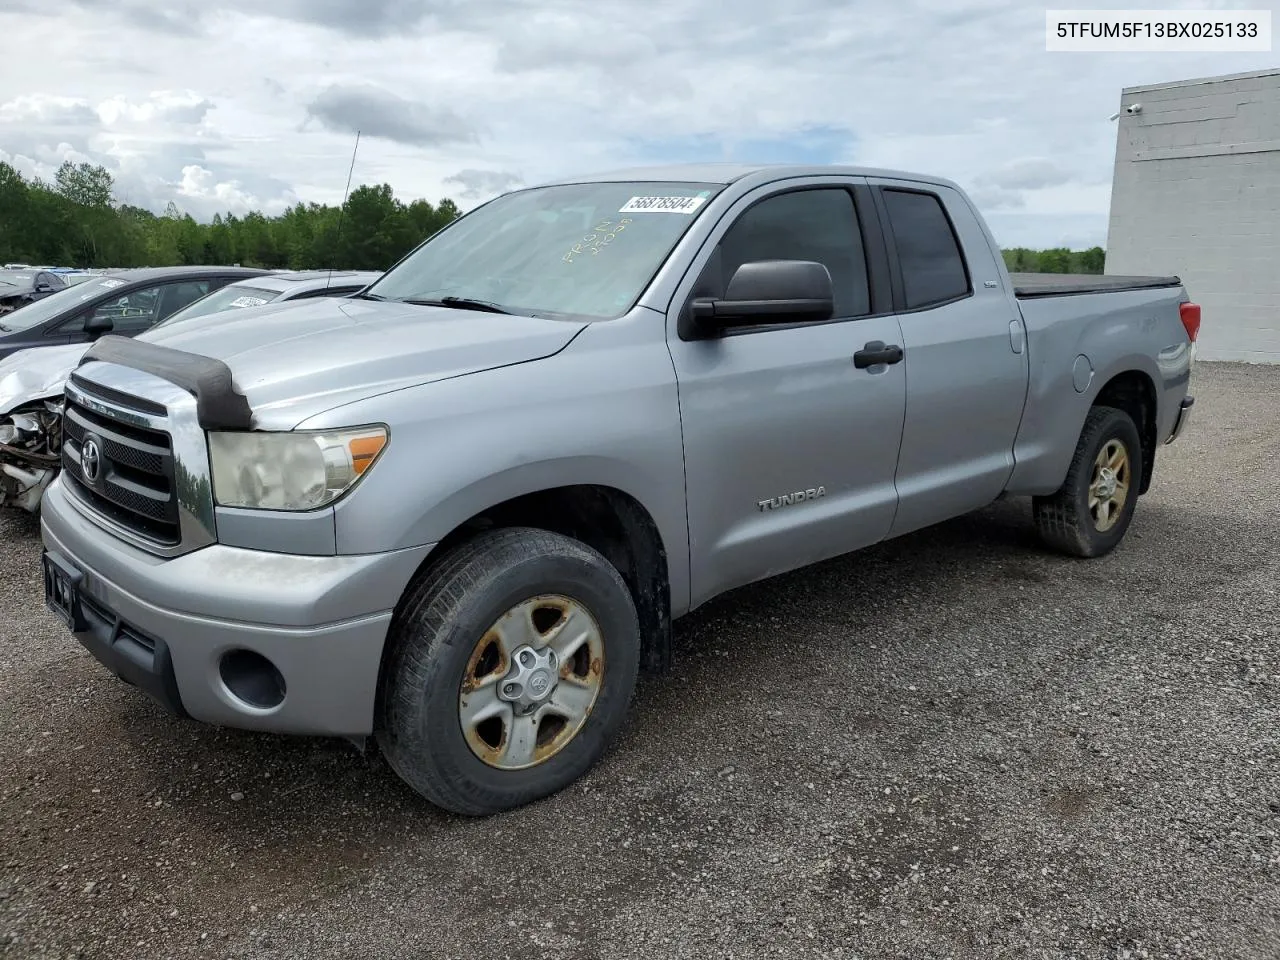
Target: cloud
264, 98
155, 146
161, 107
483, 183
203, 192
1030, 174
987, 198
376, 112
188, 18
361, 18
48, 111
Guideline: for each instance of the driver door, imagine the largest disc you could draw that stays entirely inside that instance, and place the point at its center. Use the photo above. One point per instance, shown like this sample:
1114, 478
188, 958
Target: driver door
775, 410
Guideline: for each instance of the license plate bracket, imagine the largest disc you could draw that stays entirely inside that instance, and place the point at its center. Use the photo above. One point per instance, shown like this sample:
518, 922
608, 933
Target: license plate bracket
62, 591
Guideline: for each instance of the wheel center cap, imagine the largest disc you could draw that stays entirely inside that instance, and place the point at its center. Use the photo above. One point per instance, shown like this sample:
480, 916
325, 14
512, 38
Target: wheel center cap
531, 679
539, 684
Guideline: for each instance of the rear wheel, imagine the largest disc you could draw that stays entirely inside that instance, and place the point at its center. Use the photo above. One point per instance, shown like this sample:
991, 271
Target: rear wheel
1092, 510
512, 665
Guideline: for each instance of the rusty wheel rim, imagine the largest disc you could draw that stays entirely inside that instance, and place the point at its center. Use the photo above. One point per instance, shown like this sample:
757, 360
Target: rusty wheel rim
531, 682
1109, 485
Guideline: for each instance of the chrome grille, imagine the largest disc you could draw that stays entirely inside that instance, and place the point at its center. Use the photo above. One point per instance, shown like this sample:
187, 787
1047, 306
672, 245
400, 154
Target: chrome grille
152, 487
133, 483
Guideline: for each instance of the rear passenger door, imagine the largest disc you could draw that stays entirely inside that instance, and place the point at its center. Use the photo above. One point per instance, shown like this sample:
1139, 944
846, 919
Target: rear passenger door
778, 409
965, 356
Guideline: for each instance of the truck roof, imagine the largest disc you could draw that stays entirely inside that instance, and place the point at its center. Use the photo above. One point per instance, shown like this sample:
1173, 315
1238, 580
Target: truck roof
726, 173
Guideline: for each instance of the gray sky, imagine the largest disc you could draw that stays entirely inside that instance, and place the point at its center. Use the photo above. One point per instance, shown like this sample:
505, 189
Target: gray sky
234, 105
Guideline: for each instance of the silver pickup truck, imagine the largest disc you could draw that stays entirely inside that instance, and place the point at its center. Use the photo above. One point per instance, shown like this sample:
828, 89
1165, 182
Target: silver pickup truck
458, 513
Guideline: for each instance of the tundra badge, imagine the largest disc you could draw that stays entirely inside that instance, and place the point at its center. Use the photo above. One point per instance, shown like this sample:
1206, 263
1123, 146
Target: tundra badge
787, 499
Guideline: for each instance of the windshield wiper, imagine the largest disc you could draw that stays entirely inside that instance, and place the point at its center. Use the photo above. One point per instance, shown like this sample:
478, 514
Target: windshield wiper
368, 296
463, 303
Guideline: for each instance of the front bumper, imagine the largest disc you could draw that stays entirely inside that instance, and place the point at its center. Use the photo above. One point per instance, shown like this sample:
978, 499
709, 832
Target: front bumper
1184, 414
182, 629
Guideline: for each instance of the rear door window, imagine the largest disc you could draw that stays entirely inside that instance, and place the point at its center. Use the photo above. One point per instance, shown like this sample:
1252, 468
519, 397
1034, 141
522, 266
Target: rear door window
179, 295
929, 253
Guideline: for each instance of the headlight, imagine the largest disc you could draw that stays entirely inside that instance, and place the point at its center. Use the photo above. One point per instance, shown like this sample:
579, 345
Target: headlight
290, 470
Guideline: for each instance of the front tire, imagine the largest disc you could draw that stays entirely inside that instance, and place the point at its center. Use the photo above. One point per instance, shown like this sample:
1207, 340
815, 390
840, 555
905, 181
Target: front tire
1089, 515
512, 665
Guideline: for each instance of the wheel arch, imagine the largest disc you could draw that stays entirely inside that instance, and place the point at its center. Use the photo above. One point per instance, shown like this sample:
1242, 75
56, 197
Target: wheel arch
607, 519
1134, 392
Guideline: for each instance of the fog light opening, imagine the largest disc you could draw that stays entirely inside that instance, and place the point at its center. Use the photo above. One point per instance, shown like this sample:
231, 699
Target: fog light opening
252, 678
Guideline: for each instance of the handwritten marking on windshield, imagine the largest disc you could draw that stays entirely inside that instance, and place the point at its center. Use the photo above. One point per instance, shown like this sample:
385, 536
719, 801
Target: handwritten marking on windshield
593, 243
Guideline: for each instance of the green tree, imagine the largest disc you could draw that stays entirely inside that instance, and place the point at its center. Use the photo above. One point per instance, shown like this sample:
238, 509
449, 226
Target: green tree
1057, 260
1093, 260
85, 184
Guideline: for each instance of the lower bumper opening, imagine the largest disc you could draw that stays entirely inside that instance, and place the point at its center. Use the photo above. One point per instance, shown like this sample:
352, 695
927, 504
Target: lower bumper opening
252, 678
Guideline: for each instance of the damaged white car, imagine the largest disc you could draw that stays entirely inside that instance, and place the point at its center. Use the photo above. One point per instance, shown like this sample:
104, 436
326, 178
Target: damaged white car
31, 421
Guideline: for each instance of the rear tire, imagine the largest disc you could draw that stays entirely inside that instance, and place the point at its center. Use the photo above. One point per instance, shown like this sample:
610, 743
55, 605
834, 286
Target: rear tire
1089, 515
457, 634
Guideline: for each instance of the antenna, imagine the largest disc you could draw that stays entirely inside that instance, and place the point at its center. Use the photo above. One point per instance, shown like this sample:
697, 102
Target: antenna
342, 210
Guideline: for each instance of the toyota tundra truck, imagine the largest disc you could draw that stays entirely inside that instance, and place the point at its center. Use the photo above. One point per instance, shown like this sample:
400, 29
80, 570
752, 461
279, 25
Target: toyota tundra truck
455, 516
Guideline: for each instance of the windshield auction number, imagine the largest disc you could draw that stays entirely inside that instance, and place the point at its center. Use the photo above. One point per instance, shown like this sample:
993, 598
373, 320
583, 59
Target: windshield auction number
593, 243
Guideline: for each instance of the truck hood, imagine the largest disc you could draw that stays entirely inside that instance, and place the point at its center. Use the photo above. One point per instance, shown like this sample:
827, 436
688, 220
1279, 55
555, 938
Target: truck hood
294, 360
36, 374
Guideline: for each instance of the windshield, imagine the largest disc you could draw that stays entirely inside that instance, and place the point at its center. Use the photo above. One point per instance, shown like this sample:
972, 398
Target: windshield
232, 297
583, 250
34, 314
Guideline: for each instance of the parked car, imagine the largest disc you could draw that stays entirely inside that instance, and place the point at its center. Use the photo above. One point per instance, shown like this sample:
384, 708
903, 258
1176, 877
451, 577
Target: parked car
277, 288
31, 380
19, 288
124, 302
459, 511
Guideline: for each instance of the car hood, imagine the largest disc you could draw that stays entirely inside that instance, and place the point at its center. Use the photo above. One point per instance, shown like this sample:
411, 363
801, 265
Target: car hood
36, 374
294, 360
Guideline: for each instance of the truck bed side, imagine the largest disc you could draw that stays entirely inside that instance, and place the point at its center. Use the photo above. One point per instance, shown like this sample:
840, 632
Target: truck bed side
1126, 346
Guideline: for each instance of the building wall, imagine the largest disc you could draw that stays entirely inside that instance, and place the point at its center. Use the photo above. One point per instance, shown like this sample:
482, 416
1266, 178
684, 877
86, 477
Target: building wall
1196, 193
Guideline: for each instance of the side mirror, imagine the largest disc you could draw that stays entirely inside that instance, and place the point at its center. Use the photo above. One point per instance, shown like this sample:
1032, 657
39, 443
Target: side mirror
44, 288
767, 291
96, 326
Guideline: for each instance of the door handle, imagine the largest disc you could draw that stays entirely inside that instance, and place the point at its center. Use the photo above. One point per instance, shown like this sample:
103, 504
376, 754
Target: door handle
877, 352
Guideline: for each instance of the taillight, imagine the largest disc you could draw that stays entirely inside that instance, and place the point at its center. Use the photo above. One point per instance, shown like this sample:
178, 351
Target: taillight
1190, 314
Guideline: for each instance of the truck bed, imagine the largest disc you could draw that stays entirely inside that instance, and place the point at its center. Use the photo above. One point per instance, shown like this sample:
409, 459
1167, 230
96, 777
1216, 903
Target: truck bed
1028, 285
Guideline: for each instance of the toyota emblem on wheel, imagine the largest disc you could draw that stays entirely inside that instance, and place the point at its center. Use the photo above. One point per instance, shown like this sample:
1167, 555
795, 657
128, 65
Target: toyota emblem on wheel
90, 460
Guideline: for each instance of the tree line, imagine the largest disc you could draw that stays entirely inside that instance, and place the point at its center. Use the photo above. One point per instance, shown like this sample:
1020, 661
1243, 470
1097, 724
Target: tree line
74, 221
1055, 260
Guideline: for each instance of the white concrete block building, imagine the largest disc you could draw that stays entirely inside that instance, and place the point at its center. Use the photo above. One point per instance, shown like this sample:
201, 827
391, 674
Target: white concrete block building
1196, 193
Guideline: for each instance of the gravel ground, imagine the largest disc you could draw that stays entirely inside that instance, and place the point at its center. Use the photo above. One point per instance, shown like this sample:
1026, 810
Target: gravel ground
952, 745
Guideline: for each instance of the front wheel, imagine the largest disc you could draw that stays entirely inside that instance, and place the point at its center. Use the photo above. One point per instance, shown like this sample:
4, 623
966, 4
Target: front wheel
1089, 514
513, 661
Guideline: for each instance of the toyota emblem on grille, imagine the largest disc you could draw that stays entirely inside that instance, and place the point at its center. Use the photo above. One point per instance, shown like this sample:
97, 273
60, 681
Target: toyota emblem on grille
90, 460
